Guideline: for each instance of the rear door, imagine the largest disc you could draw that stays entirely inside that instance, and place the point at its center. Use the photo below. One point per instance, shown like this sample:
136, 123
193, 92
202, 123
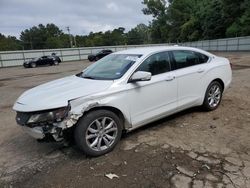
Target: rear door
190, 68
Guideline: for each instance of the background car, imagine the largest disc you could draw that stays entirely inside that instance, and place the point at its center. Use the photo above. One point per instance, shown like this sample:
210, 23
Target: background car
99, 55
44, 60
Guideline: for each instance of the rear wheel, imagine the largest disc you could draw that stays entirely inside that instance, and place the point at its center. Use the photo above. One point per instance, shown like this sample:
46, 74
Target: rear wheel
213, 96
98, 132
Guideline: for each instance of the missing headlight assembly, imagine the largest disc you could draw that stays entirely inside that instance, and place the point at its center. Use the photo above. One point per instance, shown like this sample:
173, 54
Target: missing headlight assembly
43, 123
52, 116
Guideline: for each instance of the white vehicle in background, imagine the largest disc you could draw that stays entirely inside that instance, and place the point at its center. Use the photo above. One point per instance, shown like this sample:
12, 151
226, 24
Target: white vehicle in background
123, 91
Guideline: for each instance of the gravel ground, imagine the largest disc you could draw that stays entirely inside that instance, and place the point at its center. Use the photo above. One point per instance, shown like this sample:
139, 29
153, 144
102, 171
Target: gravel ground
190, 149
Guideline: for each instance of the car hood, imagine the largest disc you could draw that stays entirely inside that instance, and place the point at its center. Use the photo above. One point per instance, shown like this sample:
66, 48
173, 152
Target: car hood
57, 93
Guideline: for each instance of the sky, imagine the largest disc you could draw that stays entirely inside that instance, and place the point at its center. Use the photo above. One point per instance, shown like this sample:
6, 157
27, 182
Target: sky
82, 16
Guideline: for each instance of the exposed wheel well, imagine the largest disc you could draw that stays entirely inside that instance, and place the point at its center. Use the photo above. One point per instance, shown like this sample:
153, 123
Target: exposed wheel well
221, 82
112, 109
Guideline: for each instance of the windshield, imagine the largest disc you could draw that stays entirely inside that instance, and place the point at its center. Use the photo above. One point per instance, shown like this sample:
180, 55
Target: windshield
35, 59
111, 67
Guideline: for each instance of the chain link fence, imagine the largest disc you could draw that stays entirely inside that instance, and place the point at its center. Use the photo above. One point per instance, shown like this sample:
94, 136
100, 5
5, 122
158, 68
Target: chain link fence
16, 58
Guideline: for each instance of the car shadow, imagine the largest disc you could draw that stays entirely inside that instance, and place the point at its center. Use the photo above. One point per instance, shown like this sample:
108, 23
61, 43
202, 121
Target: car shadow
163, 122
77, 154
72, 151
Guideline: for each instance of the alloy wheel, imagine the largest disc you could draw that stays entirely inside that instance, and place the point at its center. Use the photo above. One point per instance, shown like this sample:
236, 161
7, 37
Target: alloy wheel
214, 96
101, 134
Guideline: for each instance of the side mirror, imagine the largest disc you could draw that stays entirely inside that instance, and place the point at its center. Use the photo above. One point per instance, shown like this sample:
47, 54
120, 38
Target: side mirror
140, 76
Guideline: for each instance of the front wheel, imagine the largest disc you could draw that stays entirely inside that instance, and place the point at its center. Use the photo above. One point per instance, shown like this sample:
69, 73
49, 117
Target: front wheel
33, 65
98, 132
56, 63
213, 96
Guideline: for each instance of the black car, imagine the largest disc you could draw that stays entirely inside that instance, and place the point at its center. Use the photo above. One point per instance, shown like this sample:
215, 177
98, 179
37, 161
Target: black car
44, 60
99, 55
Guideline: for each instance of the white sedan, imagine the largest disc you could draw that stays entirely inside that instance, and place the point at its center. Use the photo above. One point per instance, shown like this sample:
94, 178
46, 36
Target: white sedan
123, 91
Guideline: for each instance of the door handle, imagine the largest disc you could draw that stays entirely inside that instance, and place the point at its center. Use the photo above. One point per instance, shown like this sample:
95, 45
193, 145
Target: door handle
201, 70
170, 78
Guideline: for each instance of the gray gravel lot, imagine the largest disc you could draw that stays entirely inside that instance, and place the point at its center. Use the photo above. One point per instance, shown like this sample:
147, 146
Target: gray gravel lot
190, 149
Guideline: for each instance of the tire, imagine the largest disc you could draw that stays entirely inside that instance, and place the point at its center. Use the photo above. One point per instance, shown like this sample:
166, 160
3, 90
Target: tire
91, 58
213, 96
97, 58
56, 63
90, 134
33, 65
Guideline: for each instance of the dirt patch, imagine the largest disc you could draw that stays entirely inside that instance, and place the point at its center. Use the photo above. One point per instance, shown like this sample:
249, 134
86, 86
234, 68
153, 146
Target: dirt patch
47, 74
6, 106
239, 67
1, 84
24, 87
16, 77
32, 75
152, 167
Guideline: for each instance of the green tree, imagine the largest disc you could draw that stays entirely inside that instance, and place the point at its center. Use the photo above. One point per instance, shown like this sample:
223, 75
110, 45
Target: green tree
212, 19
182, 19
41, 37
189, 20
9, 43
237, 15
138, 35
159, 26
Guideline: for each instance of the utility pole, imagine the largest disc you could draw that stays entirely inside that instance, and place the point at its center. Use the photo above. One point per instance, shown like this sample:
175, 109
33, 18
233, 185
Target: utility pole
75, 42
70, 39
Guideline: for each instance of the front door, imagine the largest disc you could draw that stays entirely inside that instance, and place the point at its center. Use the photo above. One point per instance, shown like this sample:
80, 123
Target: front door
150, 100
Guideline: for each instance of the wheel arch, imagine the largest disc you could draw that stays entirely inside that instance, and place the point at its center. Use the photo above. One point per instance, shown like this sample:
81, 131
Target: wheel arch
115, 110
205, 103
208, 83
220, 81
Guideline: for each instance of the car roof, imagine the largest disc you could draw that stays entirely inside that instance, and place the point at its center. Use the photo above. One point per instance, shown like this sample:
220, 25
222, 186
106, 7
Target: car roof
154, 49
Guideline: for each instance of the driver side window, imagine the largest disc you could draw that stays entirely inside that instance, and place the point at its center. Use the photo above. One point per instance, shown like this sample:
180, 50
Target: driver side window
156, 64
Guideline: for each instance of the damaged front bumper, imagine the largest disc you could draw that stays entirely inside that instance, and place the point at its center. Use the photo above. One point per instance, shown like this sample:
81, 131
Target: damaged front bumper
50, 130
58, 128
36, 132
45, 132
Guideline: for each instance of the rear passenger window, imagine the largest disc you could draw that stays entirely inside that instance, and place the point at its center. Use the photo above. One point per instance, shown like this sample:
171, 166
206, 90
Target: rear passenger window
156, 64
203, 58
183, 58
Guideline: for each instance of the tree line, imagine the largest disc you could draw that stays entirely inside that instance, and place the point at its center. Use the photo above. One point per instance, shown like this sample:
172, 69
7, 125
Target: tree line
173, 21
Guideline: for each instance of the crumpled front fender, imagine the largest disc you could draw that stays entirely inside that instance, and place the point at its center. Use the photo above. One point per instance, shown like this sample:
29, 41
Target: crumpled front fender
82, 105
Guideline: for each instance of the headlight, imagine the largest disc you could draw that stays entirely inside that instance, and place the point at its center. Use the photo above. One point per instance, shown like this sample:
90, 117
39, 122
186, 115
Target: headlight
49, 116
